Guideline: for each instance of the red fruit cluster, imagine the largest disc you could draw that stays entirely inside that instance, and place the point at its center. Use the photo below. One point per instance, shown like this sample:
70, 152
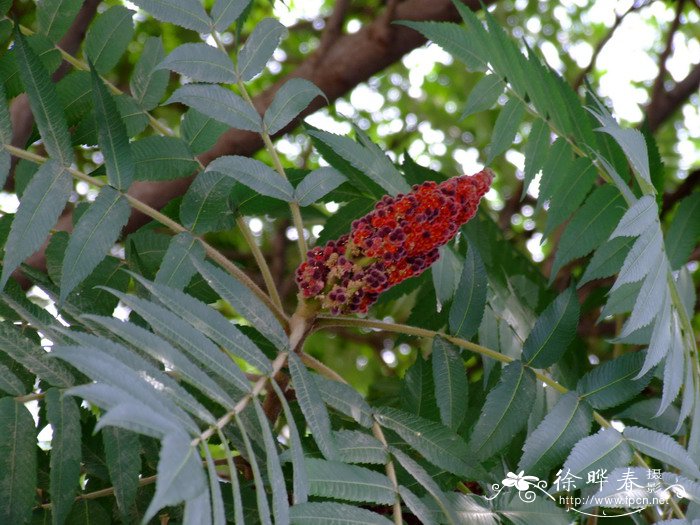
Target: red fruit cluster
397, 240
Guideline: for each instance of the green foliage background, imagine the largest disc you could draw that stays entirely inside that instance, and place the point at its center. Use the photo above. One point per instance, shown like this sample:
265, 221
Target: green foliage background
214, 403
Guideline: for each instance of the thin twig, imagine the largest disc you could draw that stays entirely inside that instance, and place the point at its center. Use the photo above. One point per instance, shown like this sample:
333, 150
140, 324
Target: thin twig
390, 473
104, 492
324, 370
260, 260
258, 387
601, 43
30, 397
657, 89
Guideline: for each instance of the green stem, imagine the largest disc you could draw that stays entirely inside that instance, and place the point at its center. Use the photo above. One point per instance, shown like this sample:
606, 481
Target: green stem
324, 370
293, 206
277, 163
390, 473
154, 214
260, 260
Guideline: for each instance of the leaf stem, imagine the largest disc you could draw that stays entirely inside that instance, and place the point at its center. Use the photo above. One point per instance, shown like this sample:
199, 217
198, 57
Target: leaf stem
260, 260
324, 370
277, 163
103, 492
224, 420
293, 206
390, 472
269, 146
176, 227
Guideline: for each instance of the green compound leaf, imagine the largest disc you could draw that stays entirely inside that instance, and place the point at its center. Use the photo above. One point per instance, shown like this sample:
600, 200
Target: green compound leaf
428, 483
147, 83
313, 408
332, 479
345, 400
259, 47
180, 474
108, 37
162, 158
684, 231
611, 383
245, 302
662, 447
638, 219
226, 12
568, 422
177, 268
280, 505
122, 455
55, 17
535, 152
357, 447
44, 102
366, 157
606, 449
317, 185
209, 322
254, 174
484, 95
199, 131
290, 100
435, 442
505, 128
334, 514
188, 339
590, 226
207, 205
607, 259
451, 387
220, 104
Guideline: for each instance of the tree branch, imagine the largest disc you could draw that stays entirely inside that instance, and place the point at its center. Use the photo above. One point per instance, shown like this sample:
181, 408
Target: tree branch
658, 87
334, 28
659, 110
664, 103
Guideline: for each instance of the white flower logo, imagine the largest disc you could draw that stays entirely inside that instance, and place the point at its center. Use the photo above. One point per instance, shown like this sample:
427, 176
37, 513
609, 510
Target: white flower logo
520, 481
